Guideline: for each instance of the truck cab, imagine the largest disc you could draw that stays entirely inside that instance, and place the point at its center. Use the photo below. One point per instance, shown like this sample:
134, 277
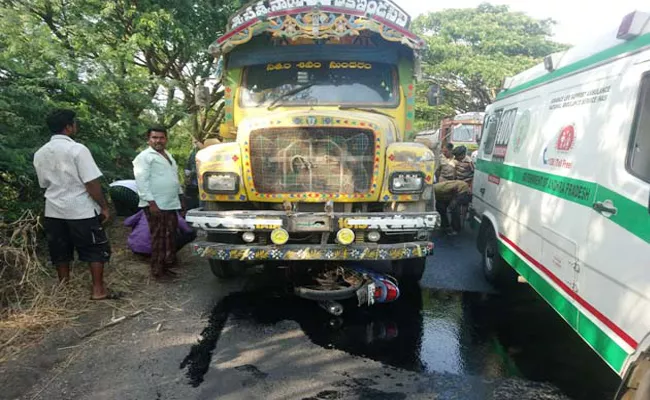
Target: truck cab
318, 160
462, 130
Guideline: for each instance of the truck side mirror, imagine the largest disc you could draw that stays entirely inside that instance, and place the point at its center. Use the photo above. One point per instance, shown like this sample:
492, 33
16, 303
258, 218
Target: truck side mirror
434, 95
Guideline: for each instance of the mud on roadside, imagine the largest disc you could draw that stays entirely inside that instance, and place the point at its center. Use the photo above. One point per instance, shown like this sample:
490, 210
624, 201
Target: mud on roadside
37, 348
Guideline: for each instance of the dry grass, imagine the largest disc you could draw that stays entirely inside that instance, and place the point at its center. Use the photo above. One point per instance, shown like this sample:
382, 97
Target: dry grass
33, 303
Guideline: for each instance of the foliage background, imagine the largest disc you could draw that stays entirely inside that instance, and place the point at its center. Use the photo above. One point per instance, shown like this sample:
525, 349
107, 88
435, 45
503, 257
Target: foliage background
123, 65
470, 51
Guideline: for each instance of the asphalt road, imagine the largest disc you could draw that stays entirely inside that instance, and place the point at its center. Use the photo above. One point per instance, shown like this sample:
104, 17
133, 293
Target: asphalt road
452, 337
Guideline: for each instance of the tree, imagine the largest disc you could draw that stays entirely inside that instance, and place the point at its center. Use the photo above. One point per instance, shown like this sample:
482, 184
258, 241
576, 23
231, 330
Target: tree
121, 64
470, 51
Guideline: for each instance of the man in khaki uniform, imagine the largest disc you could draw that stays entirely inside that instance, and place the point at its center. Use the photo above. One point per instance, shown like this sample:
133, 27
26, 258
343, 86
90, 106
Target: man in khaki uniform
450, 195
446, 171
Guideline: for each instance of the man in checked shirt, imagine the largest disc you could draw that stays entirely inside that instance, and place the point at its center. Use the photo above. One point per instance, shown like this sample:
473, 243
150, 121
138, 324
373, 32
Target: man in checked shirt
75, 207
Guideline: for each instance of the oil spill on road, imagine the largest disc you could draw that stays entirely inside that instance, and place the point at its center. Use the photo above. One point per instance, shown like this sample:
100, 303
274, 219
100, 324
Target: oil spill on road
198, 360
428, 330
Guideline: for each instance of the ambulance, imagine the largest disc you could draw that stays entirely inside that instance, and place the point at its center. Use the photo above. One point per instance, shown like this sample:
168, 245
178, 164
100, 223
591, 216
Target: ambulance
561, 193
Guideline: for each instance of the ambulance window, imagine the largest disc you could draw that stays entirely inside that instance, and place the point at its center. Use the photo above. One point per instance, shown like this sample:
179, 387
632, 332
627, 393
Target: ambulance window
638, 160
491, 132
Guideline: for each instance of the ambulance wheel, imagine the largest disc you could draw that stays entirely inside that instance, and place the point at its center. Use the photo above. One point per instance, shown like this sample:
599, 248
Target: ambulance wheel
224, 269
495, 269
410, 270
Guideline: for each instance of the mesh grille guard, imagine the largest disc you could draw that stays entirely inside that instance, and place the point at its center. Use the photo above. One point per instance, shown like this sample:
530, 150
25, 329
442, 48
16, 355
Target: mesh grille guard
316, 160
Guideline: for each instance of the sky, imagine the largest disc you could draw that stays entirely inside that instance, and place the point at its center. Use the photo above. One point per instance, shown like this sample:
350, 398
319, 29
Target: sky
576, 19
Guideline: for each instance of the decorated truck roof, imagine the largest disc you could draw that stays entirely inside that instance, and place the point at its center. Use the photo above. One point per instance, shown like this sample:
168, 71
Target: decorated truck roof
317, 20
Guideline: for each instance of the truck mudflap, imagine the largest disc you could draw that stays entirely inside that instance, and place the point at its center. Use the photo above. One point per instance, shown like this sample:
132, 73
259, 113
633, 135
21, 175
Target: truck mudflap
297, 252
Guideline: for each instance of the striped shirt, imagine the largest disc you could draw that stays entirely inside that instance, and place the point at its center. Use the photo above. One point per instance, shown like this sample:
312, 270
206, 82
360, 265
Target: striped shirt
63, 167
465, 170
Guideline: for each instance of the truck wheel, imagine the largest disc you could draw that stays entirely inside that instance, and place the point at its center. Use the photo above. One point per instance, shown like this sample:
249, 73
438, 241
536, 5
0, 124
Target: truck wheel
319, 295
410, 270
495, 268
224, 269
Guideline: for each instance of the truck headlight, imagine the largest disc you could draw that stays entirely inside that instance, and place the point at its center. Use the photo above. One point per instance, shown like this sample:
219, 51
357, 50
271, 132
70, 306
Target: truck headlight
221, 182
406, 182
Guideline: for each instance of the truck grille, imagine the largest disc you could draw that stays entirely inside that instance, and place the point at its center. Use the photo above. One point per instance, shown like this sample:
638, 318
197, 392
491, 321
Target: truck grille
315, 160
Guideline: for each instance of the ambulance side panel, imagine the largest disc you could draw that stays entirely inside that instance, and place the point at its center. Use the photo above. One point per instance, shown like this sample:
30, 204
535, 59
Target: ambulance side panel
539, 177
616, 270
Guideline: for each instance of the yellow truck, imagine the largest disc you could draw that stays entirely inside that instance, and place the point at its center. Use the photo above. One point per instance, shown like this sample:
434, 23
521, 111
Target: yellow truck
317, 160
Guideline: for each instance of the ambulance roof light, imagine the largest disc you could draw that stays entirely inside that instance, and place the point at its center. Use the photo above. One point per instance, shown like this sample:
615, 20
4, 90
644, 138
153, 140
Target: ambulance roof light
632, 25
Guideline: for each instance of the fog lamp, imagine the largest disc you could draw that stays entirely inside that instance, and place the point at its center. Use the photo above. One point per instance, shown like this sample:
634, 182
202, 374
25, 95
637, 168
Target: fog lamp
248, 237
279, 236
345, 236
374, 236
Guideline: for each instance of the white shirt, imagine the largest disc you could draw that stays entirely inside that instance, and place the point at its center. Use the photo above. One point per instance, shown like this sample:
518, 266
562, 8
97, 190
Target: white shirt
157, 179
63, 167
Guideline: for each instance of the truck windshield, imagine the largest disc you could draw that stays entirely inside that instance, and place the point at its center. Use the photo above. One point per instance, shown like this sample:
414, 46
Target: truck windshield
465, 133
320, 83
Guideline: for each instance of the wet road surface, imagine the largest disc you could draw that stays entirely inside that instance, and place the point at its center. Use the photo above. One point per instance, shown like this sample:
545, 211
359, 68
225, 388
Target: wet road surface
451, 337
453, 325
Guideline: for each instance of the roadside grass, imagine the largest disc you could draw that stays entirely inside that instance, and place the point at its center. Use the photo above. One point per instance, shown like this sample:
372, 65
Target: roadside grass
33, 303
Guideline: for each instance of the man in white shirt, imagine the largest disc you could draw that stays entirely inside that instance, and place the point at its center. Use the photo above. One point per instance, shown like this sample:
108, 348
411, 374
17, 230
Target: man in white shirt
156, 176
75, 206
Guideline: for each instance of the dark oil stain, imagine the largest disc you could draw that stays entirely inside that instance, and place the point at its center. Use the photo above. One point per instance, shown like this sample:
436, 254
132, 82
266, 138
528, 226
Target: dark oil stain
355, 383
253, 370
198, 360
446, 331
256, 376
329, 395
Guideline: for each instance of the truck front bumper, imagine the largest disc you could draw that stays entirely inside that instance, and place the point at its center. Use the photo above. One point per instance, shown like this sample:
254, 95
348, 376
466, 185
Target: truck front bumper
262, 222
298, 252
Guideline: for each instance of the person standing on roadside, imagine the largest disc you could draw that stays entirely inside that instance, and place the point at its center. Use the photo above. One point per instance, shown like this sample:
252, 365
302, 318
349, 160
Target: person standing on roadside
75, 206
156, 176
446, 171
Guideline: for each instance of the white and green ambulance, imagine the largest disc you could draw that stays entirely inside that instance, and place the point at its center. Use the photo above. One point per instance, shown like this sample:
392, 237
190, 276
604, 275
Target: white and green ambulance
562, 192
